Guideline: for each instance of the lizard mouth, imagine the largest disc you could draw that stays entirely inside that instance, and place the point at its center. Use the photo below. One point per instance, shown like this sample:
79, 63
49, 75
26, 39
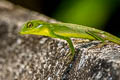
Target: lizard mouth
27, 31
23, 32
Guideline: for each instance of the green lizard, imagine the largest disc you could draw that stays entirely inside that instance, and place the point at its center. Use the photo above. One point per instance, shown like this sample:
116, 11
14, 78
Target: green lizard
66, 31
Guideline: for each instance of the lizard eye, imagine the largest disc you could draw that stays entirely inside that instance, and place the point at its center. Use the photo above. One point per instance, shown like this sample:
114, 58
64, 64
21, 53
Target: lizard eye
29, 25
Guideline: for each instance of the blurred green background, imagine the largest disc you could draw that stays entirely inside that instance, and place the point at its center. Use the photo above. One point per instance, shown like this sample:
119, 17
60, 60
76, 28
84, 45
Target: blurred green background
101, 14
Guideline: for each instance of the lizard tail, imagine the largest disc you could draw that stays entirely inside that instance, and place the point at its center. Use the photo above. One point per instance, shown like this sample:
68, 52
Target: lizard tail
102, 36
110, 37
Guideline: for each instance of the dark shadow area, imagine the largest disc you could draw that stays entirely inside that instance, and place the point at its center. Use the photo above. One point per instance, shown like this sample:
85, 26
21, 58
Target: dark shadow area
113, 23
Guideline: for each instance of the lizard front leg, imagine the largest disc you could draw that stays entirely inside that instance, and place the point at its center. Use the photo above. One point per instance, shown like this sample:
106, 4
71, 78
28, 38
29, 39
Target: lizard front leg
72, 49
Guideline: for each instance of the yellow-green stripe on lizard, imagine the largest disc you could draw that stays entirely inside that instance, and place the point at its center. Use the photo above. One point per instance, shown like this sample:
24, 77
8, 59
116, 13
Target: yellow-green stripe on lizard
66, 31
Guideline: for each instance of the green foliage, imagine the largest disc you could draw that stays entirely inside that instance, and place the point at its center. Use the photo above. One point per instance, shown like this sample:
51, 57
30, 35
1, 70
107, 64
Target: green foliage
86, 12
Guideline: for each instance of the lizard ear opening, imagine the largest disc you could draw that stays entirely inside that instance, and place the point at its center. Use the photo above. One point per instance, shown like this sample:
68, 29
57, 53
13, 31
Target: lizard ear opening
29, 25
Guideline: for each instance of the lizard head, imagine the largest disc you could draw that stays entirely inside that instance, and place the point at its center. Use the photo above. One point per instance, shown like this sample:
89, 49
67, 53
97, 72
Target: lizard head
36, 27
